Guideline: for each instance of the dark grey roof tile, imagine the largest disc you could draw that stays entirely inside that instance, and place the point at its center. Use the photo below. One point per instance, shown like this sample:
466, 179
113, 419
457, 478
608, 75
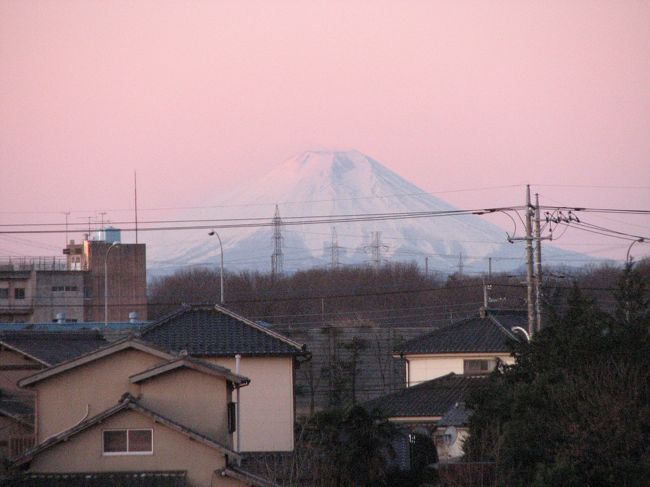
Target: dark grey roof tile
473, 335
431, 398
458, 415
98, 479
52, 347
213, 331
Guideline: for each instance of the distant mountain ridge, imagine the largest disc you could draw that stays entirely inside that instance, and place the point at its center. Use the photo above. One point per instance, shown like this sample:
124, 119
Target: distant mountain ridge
347, 183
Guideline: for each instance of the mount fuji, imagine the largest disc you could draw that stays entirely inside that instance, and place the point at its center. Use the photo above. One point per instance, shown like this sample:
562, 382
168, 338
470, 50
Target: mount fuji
325, 183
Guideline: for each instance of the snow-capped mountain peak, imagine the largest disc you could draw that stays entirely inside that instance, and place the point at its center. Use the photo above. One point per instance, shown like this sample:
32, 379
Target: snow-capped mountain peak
324, 182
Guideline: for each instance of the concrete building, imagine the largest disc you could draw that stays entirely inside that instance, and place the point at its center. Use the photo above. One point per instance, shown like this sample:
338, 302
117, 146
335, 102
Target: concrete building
72, 288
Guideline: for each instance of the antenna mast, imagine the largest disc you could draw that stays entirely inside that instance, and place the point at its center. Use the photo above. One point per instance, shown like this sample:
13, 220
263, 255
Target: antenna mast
277, 259
135, 194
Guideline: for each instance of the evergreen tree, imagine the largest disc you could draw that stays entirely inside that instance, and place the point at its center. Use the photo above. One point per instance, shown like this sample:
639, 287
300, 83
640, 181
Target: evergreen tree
574, 409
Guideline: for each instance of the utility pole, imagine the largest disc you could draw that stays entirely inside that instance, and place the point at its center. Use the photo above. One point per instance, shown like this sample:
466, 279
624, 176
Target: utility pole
490, 267
426, 266
277, 259
538, 269
460, 265
529, 263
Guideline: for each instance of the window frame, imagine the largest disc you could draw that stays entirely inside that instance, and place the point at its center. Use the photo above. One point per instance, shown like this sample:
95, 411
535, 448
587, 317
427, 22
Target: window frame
490, 366
127, 452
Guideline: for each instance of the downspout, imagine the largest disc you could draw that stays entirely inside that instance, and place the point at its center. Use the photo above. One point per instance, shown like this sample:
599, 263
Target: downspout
237, 422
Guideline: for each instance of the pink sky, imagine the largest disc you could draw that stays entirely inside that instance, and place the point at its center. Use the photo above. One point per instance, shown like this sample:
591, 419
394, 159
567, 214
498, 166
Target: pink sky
199, 96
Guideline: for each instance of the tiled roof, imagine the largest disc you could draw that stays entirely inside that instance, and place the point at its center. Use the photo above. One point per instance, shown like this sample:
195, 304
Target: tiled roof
428, 399
17, 408
96, 354
245, 476
472, 335
190, 363
216, 331
127, 402
458, 415
97, 479
76, 326
52, 347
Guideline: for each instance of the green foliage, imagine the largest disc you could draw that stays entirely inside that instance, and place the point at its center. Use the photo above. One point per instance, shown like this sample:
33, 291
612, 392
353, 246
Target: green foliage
574, 409
349, 447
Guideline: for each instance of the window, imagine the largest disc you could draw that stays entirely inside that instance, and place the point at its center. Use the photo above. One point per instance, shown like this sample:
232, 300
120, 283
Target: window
128, 442
71, 288
4, 293
57, 288
19, 293
478, 366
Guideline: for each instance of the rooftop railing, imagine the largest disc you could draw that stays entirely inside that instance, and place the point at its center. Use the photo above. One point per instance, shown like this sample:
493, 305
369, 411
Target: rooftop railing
17, 264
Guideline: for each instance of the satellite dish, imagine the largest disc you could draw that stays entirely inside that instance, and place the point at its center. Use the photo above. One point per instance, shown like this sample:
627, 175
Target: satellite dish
452, 434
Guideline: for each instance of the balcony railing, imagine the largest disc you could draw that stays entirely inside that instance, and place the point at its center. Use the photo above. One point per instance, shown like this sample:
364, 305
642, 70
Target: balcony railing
18, 264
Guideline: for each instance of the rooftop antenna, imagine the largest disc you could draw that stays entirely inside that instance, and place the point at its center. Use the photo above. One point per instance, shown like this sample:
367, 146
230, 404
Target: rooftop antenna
67, 214
277, 259
135, 195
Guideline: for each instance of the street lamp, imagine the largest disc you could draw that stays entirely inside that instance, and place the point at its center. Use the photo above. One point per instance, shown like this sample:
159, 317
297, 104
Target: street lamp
522, 330
114, 244
212, 233
627, 257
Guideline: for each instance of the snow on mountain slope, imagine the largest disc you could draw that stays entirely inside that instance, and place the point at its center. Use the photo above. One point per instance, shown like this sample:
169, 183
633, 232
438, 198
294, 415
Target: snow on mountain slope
345, 183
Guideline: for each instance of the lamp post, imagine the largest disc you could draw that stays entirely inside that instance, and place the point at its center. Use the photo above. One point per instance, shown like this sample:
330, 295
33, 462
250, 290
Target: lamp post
522, 330
114, 244
627, 257
212, 233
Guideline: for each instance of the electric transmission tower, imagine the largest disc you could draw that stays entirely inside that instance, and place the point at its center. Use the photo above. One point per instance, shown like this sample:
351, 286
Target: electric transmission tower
277, 259
334, 249
375, 249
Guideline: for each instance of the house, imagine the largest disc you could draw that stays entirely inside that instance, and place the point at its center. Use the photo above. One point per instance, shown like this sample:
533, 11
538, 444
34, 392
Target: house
217, 335
23, 352
131, 410
451, 431
16, 425
443, 368
471, 346
423, 405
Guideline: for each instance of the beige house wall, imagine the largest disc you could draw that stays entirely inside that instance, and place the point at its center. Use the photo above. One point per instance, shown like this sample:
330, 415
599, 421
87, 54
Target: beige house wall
10, 375
171, 451
62, 400
267, 403
422, 368
198, 401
